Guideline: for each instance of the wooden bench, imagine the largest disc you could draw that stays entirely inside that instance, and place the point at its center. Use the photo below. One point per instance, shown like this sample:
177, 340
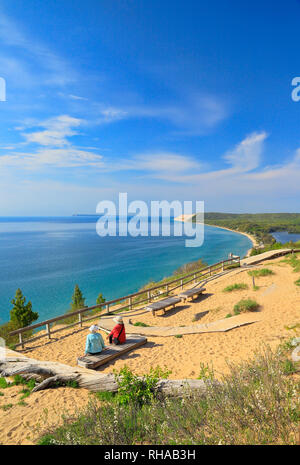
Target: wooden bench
93, 361
163, 304
192, 293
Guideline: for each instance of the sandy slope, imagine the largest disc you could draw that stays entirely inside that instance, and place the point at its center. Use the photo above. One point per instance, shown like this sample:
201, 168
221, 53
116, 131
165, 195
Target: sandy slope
280, 306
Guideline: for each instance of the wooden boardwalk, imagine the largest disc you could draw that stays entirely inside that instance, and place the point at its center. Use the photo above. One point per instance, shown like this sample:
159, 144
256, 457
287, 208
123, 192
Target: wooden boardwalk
107, 355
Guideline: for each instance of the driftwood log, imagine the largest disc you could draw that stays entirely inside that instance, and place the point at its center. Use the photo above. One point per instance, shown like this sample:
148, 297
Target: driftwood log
51, 374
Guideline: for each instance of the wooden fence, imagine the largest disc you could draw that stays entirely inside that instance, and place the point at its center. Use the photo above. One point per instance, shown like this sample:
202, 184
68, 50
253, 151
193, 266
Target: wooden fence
131, 300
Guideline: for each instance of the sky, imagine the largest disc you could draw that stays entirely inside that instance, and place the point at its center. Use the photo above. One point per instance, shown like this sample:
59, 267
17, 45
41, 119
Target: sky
164, 100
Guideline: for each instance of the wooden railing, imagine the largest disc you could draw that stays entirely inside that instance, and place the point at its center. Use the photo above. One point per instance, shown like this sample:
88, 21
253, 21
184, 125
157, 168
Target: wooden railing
131, 301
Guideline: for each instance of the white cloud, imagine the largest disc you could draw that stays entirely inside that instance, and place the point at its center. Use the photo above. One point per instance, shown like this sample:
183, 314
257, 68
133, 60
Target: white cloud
56, 132
56, 151
246, 156
193, 116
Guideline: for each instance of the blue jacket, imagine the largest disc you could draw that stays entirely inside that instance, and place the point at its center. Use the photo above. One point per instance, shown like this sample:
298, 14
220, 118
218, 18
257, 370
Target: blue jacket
94, 343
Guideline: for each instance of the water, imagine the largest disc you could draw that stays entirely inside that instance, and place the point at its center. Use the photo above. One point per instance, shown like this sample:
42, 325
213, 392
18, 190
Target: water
285, 237
46, 257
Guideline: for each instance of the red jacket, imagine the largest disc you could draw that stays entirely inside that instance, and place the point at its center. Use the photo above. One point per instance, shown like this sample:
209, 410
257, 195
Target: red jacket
116, 331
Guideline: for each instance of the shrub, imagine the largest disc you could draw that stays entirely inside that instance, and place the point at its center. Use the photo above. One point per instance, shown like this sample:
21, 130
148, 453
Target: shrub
136, 389
247, 305
255, 404
3, 383
235, 287
297, 282
259, 273
140, 323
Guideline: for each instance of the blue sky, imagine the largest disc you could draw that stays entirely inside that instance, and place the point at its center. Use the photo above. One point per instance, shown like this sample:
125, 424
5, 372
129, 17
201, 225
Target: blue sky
175, 100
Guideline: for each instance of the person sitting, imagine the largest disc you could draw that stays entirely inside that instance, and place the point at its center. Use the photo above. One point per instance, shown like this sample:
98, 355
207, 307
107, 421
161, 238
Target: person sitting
117, 335
94, 341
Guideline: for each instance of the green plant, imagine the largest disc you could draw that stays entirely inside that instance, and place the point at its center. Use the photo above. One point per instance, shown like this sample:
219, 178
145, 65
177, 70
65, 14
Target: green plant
288, 367
206, 372
3, 383
246, 305
255, 404
235, 287
297, 282
256, 288
140, 323
136, 389
1, 394
22, 403
72, 384
179, 336
105, 396
21, 313
229, 315
6, 406
260, 273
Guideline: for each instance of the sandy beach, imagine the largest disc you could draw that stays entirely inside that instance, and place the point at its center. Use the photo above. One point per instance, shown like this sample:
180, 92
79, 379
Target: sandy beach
279, 300
252, 238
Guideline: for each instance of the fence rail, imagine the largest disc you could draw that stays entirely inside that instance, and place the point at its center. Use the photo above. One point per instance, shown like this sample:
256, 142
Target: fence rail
129, 299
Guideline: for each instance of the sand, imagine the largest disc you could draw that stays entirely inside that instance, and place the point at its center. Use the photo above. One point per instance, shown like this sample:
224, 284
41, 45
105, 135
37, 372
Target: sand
252, 238
279, 300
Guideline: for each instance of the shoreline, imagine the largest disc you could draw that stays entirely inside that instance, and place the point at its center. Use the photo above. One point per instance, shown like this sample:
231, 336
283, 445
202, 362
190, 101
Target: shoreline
186, 218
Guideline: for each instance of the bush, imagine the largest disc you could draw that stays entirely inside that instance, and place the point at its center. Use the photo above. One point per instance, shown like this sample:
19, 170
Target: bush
140, 323
133, 389
255, 404
235, 287
247, 305
259, 273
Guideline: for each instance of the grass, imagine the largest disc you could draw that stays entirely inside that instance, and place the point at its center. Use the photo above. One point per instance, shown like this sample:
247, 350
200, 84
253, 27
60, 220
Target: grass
260, 273
229, 315
297, 282
236, 287
6, 407
1, 394
256, 404
140, 323
294, 262
179, 336
3, 383
246, 305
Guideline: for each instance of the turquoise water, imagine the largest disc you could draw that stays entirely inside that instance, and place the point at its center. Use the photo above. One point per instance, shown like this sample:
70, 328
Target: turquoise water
46, 257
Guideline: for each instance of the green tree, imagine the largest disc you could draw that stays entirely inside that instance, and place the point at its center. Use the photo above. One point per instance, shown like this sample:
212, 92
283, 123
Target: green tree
100, 299
21, 313
78, 301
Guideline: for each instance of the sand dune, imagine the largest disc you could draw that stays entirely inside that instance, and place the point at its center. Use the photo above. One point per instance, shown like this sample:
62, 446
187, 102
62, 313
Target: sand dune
279, 300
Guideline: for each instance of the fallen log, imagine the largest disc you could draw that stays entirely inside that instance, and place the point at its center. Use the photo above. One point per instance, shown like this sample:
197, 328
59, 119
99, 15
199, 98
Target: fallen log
51, 374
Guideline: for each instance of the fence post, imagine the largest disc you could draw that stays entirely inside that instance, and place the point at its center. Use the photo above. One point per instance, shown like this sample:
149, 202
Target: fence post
107, 308
149, 296
195, 277
80, 319
48, 330
21, 340
181, 283
223, 266
130, 303
167, 288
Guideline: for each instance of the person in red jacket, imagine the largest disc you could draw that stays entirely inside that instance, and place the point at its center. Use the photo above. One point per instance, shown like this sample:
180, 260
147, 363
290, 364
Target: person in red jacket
117, 335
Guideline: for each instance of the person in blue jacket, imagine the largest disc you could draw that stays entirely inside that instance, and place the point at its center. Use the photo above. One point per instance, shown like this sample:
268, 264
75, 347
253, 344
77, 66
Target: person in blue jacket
94, 341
